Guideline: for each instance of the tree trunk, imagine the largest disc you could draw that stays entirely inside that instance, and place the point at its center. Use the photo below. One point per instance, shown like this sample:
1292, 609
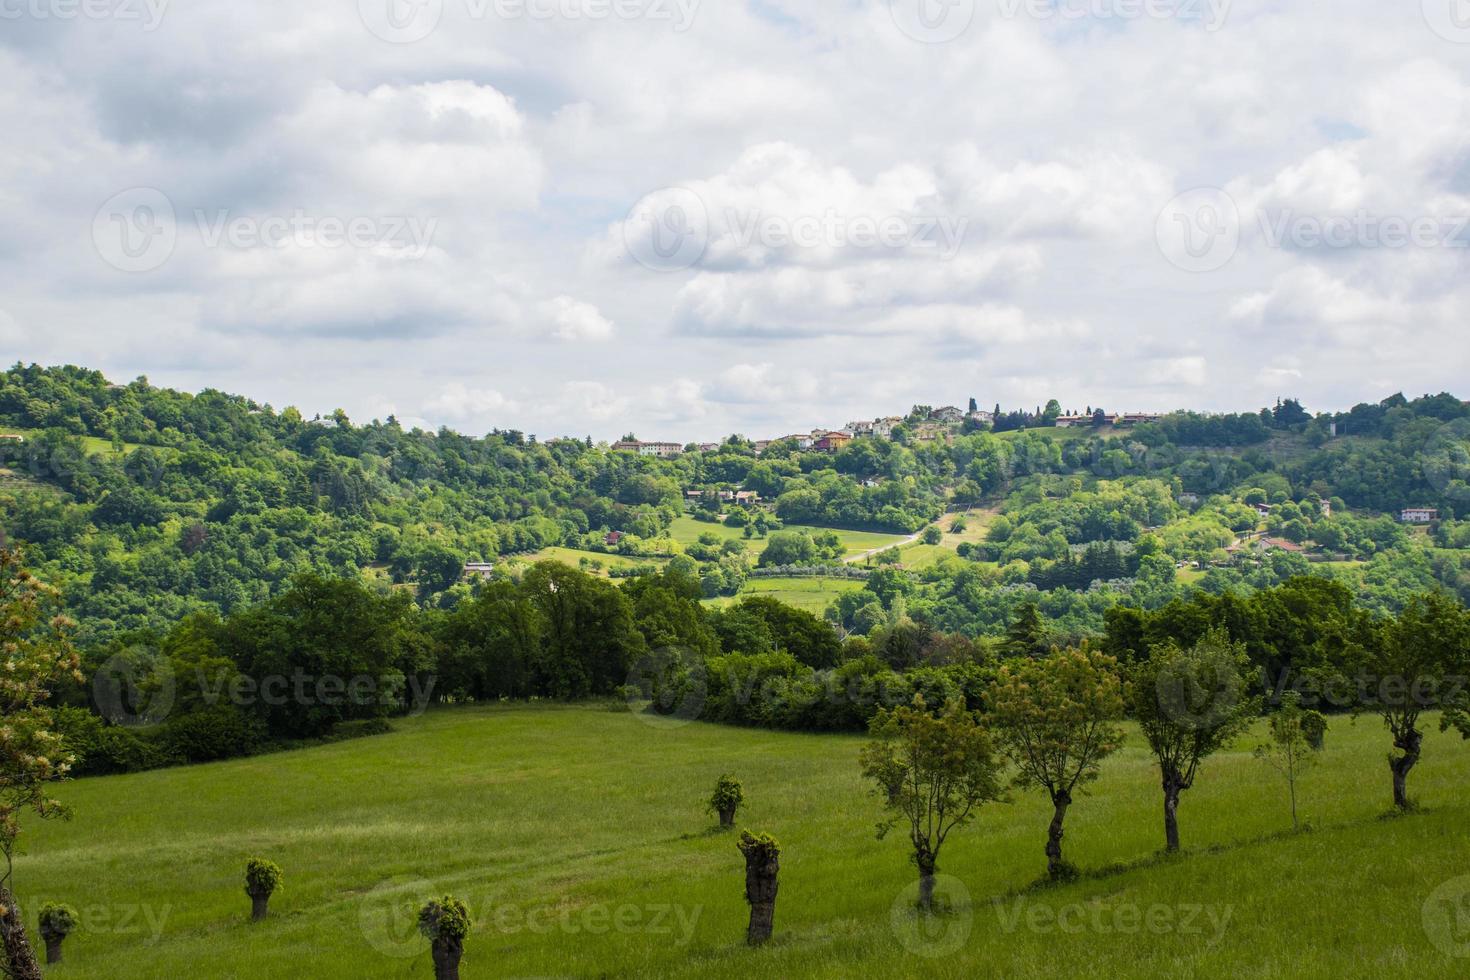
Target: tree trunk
1055, 866
727, 816
259, 907
1408, 743
53, 950
447, 953
17, 949
1172, 785
927, 867
760, 892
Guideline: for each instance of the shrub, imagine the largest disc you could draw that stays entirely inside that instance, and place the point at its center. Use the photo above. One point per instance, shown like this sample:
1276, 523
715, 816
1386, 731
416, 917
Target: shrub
218, 732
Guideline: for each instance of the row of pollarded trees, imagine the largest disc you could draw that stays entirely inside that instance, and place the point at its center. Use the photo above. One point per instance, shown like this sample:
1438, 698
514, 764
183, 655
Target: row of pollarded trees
1056, 718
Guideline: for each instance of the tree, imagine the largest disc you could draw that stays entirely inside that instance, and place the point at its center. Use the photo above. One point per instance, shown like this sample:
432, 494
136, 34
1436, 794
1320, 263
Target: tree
445, 922
762, 866
788, 548
262, 878
1190, 703
1026, 636
1408, 663
57, 922
1054, 719
35, 655
932, 772
933, 534
728, 796
1295, 737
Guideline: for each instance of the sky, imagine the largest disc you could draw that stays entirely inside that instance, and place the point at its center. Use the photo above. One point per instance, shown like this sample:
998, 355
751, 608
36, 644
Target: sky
688, 218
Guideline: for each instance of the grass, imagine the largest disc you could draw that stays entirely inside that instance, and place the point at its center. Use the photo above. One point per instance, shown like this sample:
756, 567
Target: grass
573, 557
811, 594
579, 839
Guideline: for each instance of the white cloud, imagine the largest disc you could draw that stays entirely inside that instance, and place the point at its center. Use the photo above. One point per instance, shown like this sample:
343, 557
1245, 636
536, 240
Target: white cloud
1047, 147
571, 320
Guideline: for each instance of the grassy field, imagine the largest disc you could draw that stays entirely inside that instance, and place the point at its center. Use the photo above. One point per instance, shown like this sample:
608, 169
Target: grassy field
811, 594
573, 557
578, 838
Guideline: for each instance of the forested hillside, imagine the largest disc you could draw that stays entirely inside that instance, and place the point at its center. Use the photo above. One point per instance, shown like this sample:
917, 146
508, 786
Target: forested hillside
144, 504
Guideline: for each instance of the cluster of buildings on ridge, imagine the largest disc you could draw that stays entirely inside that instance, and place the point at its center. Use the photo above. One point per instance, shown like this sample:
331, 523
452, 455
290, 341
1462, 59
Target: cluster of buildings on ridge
935, 426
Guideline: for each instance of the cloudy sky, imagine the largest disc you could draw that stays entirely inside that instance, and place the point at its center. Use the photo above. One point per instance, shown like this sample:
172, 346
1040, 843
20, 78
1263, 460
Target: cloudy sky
688, 218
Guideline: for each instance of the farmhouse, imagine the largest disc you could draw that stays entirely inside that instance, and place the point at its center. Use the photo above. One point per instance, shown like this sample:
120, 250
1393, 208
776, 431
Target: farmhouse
480, 568
613, 537
947, 414
1418, 515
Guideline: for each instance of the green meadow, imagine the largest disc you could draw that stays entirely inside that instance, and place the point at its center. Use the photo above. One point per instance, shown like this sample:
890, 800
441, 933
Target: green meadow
578, 838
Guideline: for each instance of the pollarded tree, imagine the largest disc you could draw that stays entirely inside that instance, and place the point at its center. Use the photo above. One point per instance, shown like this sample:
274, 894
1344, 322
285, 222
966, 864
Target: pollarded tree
262, 878
35, 654
1190, 703
762, 869
57, 922
1405, 673
727, 797
932, 772
445, 922
1055, 719
1296, 736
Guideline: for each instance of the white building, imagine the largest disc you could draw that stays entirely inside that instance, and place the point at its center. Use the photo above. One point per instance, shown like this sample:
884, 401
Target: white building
1418, 515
